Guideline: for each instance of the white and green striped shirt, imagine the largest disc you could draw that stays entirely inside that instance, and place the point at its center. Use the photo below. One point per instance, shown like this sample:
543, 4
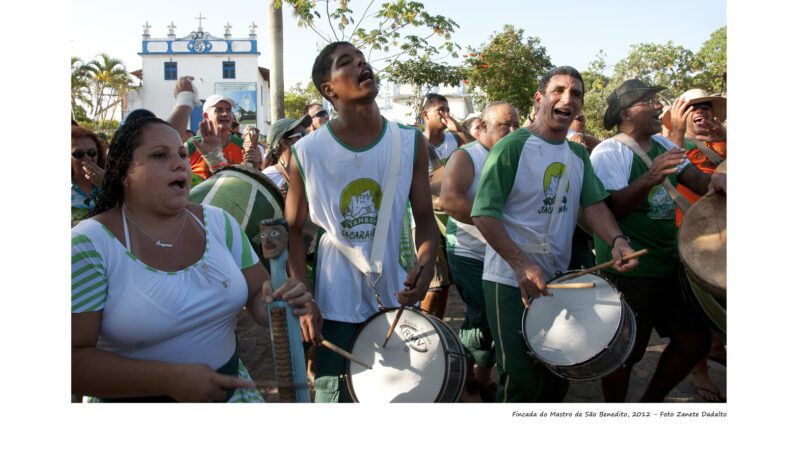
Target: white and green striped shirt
183, 317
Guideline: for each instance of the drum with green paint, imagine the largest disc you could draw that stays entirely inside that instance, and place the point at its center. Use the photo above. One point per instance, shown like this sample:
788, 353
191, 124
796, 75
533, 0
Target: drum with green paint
247, 194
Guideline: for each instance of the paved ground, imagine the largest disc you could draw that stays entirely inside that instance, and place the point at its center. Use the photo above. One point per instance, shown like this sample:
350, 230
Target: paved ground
256, 353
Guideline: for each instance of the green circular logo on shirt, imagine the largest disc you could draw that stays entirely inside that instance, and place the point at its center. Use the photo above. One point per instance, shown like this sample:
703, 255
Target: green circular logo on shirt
360, 202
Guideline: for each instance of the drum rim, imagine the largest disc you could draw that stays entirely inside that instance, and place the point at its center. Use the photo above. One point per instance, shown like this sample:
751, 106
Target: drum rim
533, 352
348, 363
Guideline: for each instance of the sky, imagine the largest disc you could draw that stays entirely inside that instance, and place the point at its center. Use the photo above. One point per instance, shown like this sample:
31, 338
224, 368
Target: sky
573, 32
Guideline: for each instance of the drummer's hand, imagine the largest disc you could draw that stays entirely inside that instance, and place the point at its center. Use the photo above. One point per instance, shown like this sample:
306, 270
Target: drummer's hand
665, 164
295, 293
183, 84
679, 115
718, 183
531, 281
414, 291
311, 325
211, 137
93, 172
622, 248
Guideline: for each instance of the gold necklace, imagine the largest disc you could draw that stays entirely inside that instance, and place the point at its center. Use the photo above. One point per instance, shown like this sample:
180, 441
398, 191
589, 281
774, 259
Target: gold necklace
158, 241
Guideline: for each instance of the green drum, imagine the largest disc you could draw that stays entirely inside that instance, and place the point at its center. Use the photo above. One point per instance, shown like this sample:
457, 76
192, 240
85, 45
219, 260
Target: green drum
247, 194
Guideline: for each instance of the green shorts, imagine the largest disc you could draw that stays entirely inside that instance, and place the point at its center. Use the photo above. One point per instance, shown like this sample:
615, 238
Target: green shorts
475, 335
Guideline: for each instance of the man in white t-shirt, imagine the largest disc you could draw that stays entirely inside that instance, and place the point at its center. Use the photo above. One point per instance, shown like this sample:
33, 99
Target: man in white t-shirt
532, 186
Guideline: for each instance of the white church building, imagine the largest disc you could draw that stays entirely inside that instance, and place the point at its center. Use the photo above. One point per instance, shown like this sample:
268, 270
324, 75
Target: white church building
227, 66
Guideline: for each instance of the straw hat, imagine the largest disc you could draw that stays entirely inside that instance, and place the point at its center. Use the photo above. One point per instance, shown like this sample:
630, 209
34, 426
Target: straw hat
718, 104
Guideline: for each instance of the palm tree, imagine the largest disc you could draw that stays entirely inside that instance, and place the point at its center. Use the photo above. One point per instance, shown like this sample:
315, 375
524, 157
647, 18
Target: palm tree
107, 73
80, 85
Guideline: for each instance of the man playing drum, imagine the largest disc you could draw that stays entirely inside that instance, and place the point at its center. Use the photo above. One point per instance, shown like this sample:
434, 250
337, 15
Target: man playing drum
527, 215
465, 245
697, 127
342, 177
642, 203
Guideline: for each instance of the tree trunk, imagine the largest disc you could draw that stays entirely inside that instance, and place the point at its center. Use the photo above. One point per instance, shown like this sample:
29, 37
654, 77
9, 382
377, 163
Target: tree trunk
275, 36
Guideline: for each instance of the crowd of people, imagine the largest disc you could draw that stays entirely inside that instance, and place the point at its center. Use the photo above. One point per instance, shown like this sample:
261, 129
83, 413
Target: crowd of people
157, 281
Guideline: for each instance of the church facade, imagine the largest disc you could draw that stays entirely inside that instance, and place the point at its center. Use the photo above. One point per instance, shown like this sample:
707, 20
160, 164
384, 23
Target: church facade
220, 65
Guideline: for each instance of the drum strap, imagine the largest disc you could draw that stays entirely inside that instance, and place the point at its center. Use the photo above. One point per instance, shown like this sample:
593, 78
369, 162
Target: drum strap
712, 156
676, 196
375, 263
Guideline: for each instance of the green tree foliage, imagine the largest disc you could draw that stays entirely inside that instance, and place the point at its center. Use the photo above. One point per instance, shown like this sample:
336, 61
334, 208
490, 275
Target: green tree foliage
711, 63
80, 89
508, 68
393, 31
99, 87
298, 97
597, 87
423, 74
667, 65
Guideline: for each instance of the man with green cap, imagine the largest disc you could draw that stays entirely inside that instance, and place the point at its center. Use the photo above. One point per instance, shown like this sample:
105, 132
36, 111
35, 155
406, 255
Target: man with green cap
633, 167
281, 136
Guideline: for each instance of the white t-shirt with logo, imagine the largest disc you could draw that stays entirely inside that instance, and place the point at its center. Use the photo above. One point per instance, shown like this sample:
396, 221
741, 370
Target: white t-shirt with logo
344, 188
518, 186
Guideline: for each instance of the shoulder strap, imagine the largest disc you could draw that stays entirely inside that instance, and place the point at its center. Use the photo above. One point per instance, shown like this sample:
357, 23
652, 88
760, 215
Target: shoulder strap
712, 156
677, 197
375, 263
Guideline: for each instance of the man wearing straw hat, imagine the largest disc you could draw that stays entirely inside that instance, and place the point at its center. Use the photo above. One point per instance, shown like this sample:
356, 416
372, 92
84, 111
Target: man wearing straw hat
531, 188
697, 126
643, 204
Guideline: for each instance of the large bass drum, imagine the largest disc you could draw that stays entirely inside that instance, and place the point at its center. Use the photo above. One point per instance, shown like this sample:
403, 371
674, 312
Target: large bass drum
580, 334
247, 194
423, 361
702, 245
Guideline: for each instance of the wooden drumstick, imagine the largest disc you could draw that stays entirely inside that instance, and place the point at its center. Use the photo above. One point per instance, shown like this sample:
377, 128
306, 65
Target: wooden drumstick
570, 286
402, 308
334, 348
605, 265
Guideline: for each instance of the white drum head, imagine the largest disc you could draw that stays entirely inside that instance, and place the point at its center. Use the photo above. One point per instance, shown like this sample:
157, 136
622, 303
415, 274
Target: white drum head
573, 325
411, 368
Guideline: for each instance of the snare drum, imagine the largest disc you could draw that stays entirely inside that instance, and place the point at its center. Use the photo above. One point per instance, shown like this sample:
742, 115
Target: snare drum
423, 361
580, 334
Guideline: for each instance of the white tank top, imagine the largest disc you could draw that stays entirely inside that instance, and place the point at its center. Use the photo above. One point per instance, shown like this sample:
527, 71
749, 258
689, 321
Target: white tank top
464, 239
344, 189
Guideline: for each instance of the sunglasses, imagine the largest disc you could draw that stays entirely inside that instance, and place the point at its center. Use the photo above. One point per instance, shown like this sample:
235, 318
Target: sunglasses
299, 134
78, 154
321, 113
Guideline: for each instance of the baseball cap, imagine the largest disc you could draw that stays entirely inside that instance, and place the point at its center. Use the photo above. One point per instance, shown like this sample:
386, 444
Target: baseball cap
216, 98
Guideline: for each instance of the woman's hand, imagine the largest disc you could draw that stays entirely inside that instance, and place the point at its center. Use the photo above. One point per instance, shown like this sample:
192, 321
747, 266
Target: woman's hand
199, 383
93, 172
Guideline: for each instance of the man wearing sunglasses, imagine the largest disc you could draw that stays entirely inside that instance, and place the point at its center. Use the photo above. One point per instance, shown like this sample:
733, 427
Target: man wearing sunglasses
645, 212
319, 116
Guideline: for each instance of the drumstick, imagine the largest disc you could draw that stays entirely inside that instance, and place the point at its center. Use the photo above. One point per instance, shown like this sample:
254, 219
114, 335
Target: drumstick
605, 265
402, 308
334, 348
570, 286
